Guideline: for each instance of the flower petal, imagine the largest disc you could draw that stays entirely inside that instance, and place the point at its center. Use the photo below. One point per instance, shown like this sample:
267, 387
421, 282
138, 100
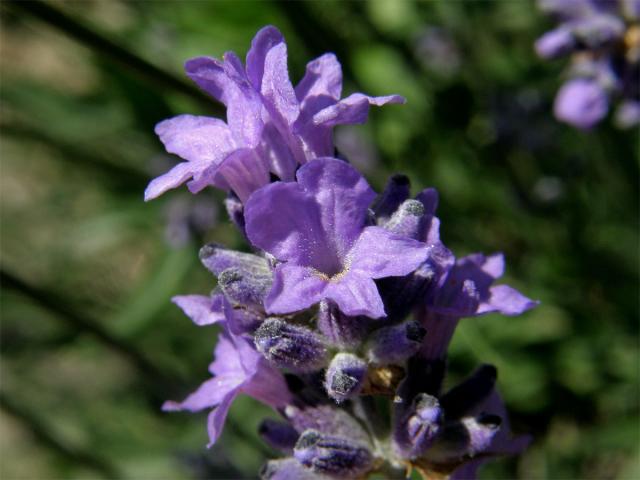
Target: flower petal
380, 253
196, 138
343, 196
356, 294
266, 38
321, 85
506, 300
227, 357
244, 172
352, 109
294, 288
172, 179
201, 309
227, 82
211, 393
285, 221
217, 417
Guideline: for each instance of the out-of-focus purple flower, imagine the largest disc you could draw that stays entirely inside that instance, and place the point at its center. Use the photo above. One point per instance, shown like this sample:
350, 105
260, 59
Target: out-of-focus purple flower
628, 114
605, 46
237, 369
271, 126
555, 43
582, 103
321, 238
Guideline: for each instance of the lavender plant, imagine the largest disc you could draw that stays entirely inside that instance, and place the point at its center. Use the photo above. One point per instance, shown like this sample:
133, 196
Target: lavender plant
341, 318
602, 38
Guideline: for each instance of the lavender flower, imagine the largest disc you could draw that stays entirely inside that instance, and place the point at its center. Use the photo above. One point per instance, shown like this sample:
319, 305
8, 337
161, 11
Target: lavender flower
603, 39
321, 238
237, 369
349, 296
271, 127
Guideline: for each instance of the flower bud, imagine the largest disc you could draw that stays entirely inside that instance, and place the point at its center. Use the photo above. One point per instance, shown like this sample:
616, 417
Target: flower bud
464, 438
345, 376
290, 346
598, 30
245, 287
332, 455
279, 435
417, 427
406, 220
397, 191
217, 259
396, 343
287, 469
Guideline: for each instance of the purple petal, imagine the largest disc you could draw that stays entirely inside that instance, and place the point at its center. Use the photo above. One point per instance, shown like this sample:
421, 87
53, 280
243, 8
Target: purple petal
211, 393
228, 83
285, 221
343, 195
506, 300
555, 43
581, 103
321, 85
217, 417
276, 89
227, 358
356, 294
351, 110
267, 38
429, 198
197, 139
294, 288
379, 253
172, 179
268, 386
244, 172
209, 75
201, 309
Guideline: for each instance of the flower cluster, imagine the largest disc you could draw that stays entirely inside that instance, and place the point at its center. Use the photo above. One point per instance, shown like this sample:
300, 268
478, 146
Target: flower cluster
603, 40
341, 317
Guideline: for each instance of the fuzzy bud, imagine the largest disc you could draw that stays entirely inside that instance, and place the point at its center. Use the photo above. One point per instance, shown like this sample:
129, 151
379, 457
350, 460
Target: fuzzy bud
345, 376
407, 219
245, 287
217, 259
290, 346
417, 427
330, 455
287, 469
396, 343
464, 438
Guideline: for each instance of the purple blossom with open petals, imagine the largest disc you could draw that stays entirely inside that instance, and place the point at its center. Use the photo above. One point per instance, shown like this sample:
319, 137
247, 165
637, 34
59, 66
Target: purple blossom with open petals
271, 126
237, 369
321, 239
468, 291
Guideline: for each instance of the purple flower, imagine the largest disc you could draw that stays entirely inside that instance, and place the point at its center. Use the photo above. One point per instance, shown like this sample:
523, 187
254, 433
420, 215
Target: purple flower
271, 126
237, 369
600, 36
581, 103
316, 228
467, 291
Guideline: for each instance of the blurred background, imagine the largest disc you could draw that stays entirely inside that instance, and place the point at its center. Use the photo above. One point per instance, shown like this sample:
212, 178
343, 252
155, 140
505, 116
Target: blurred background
91, 344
